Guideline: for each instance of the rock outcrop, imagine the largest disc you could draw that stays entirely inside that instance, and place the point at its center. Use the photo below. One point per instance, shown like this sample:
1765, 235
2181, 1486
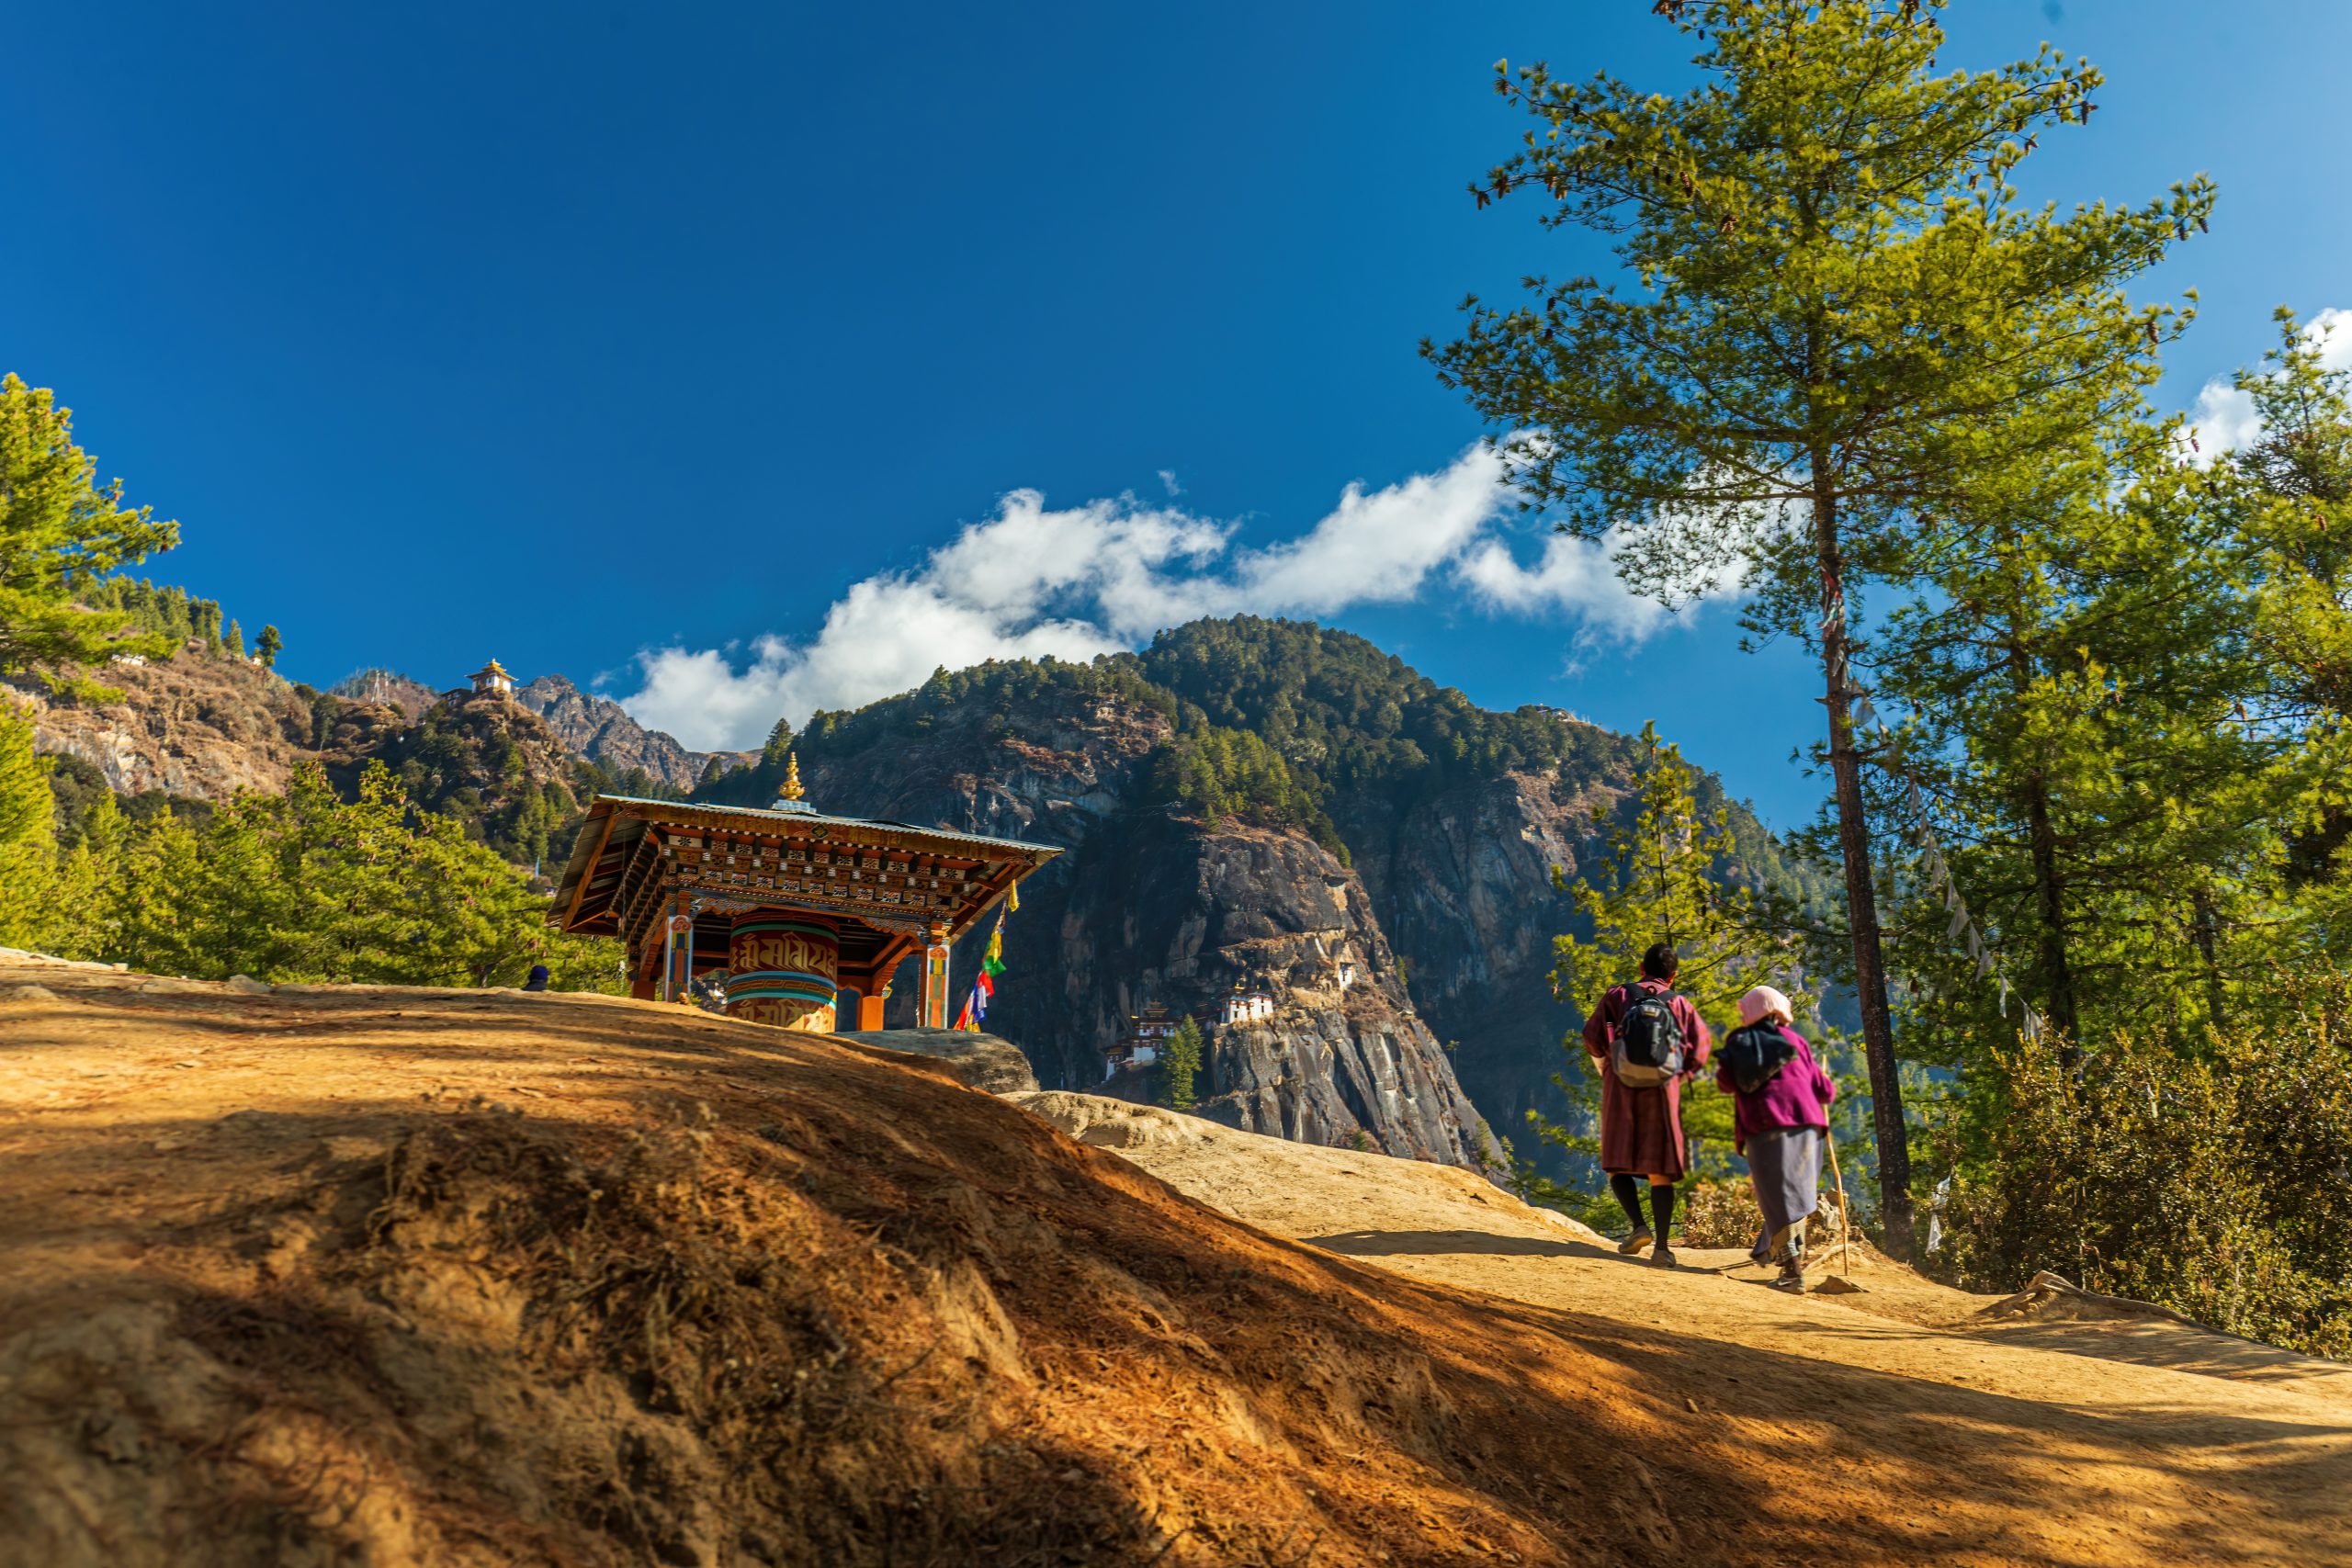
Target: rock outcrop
601, 730
984, 1062
200, 724
1463, 885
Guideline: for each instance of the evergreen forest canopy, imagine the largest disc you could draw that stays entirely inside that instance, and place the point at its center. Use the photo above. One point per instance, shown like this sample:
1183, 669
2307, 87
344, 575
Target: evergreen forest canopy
173, 616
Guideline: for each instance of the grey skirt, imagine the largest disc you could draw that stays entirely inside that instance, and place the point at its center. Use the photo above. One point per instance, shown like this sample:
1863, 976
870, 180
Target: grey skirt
1785, 1165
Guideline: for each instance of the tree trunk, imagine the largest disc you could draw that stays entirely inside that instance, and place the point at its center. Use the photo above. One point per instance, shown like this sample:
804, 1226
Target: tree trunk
2050, 912
2205, 922
1861, 896
2049, 893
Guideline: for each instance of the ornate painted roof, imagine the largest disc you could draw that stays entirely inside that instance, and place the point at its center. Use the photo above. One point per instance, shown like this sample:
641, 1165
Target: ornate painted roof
893, 875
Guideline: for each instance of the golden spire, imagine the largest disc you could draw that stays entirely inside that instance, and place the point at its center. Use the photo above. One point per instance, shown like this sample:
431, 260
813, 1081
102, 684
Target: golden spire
792, 790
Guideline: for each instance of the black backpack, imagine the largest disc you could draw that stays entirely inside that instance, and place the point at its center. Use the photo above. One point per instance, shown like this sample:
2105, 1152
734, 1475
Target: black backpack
1648, 1051
1756, 1053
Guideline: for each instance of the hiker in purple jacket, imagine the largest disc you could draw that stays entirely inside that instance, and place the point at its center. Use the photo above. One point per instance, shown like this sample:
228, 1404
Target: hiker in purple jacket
1779, 1124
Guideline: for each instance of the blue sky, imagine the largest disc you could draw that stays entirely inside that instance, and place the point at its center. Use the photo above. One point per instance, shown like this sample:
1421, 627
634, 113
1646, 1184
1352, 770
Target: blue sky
579, 333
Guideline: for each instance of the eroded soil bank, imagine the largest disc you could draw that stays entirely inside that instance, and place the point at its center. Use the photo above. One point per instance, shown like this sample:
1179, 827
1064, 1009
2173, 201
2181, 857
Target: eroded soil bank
326, 1276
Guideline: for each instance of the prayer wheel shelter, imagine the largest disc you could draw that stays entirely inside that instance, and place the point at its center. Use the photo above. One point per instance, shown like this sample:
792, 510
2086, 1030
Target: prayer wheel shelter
793, 907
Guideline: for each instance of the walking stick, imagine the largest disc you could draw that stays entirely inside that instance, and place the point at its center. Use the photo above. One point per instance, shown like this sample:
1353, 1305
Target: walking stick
1844, 1214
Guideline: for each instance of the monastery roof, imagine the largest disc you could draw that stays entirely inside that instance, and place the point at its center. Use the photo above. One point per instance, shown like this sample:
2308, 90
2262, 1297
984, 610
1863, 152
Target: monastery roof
492, 668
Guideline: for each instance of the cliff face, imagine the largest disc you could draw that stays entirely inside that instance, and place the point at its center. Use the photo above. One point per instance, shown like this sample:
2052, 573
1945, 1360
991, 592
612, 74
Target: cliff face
1463, 885
1149, 908
1170, 912
601, 730
197, 725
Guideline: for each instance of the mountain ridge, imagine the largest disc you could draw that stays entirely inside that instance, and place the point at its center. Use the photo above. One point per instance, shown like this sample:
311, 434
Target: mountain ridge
1250, 806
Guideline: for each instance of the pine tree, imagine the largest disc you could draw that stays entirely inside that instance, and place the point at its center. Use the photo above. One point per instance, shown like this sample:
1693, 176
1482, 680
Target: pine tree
61, 532
235, 641
2071, 686
174, 621
779, 745
310, 887
267, 646
1180, 1066
27, 834
1840, 325
2292, 495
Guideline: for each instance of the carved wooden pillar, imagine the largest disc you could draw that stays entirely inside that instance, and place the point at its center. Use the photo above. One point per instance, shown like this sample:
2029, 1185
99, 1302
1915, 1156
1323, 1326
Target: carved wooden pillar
931, 1005
678, 954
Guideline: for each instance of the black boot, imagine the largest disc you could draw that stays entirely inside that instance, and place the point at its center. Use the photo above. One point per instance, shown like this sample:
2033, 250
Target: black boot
1629, 1196
1662, 1220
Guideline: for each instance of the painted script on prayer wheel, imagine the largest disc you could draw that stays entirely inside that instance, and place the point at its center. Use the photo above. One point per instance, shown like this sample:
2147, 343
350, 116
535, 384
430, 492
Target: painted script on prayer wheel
784, 970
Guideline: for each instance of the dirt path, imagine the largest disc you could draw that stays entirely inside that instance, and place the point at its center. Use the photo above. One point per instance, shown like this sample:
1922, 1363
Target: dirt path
321, 1275
2124, 1441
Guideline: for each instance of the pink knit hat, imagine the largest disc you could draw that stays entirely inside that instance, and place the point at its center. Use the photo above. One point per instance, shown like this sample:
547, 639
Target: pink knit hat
1764, 1001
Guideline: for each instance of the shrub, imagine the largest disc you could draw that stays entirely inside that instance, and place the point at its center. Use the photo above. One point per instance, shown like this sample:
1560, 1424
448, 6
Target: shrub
1720, 1213
2213, 1182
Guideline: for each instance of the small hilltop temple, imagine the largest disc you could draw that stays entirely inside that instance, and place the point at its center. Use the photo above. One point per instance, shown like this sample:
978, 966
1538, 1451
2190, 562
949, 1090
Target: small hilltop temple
793, 908
492, 681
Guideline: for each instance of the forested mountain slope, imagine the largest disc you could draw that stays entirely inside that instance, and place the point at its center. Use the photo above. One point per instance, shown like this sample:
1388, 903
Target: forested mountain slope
1261, 804
1254, 806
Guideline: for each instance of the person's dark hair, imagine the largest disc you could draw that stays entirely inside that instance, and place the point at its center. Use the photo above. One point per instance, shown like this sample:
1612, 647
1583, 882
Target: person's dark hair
1660, 962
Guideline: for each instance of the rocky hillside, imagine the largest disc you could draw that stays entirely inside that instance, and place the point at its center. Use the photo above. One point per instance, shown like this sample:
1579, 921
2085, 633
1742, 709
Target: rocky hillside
494, 765
201, 725
386, 688
601, 730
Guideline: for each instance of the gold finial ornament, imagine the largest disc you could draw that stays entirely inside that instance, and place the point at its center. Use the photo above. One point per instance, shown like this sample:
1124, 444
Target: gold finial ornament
792, 790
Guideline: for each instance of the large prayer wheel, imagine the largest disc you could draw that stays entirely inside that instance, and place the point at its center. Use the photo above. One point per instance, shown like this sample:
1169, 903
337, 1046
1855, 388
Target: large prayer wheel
784, 969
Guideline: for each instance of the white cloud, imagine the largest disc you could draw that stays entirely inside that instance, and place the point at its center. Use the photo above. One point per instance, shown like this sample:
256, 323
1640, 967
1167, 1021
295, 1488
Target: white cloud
1032, 580
2225, 417
1573, 576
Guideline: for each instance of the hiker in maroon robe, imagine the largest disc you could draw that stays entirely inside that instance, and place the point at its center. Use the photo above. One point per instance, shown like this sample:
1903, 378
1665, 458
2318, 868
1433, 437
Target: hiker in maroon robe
1641, 1129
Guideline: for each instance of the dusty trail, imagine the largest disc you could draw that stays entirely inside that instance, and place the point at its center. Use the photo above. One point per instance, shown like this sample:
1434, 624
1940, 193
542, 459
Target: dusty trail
325, 1275
2102, 1441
